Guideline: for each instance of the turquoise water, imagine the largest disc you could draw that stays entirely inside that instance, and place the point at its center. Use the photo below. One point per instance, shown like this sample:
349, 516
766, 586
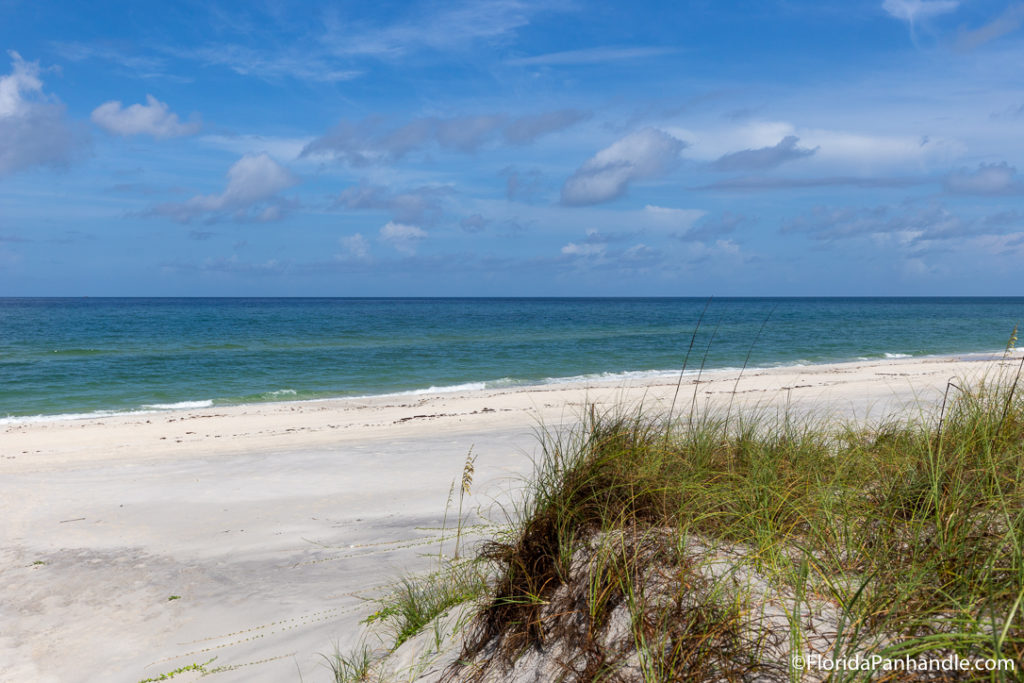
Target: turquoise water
74, 356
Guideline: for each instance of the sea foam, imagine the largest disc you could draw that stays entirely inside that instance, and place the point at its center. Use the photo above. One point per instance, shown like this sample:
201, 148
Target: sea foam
181, 405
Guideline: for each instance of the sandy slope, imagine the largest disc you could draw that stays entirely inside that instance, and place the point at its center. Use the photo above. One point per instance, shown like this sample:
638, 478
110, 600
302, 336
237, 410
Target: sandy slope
273, 522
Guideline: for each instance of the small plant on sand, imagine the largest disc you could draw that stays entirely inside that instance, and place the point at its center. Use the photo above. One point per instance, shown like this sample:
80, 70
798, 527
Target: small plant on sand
465, 486
351, 667
201, 668
419, 600
464, 490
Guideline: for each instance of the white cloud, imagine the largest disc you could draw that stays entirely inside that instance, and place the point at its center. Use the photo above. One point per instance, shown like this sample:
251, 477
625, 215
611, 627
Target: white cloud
728, 247
356, 247
724, 249
595, 55
145, 66
298, 63
912, 10
474, 223
251, 179
867, 150
842, 150
710, 144
442, 28
712, 227
153, 118
326, 56
988, 179
644, 154
34, 129
526, 129
1007, 22
587, 249
419, 205
23, 80
402, 237
1011, 245
466, 133
917, 267
639, 252
251, 194
277, 147
366, 142
666, 218
763, 157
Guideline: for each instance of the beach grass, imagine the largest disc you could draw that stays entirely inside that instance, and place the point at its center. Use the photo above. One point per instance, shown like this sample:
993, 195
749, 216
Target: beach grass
417, 601
738, 545
351, 666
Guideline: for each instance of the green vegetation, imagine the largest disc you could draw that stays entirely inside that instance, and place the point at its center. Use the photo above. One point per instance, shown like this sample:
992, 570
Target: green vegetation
905, 539
418, 601
722, 546
351, 667
201, 668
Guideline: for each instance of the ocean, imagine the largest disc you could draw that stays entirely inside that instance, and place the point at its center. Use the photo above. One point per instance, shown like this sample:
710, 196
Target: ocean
72, 357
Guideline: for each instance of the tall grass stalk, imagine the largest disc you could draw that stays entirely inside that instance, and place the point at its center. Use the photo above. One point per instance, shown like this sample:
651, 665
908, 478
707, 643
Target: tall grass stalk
700, 372
686, 358
746, 361
468, 468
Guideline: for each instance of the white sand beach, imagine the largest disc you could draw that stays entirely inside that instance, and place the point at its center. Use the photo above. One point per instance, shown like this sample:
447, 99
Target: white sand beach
273, 524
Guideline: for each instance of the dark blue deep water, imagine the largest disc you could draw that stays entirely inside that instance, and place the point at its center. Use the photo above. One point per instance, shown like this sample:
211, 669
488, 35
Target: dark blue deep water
72, 356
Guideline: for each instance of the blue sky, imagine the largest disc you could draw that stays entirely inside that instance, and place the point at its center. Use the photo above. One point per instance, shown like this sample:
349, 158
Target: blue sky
511, 148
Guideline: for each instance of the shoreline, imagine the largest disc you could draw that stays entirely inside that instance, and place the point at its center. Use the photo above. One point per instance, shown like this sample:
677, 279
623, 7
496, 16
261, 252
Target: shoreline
320, 423
624, 376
